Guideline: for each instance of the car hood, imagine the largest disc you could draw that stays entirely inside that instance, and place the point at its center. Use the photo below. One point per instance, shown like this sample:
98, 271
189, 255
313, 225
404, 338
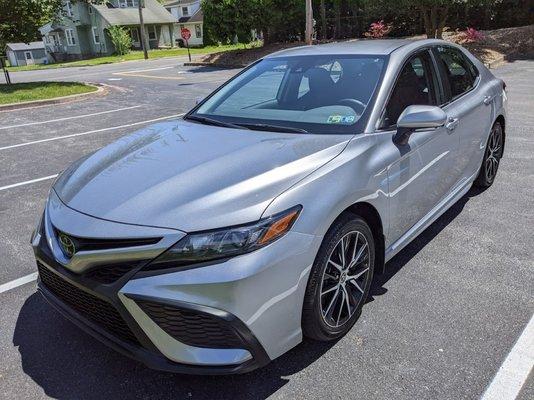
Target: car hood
191, 177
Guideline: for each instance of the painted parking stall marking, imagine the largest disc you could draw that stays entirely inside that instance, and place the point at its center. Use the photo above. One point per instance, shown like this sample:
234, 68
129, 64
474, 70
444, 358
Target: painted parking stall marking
13, 146
14, 185
515, 369
18, 282
69, 118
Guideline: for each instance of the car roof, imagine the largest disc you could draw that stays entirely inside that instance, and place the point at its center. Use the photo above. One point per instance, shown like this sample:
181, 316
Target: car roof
362, 46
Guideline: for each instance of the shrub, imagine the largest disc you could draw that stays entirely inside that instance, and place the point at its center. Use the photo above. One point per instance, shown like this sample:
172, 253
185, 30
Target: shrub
378, 30
121, 39
471, 35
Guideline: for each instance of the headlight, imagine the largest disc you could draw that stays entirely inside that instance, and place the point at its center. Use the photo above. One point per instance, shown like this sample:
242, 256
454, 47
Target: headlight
218, 244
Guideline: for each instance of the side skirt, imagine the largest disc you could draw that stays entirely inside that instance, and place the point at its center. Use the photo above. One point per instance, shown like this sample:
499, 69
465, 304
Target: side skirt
428, 219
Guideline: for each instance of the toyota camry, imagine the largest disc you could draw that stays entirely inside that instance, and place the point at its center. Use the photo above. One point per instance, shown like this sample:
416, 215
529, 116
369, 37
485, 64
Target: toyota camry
215, 243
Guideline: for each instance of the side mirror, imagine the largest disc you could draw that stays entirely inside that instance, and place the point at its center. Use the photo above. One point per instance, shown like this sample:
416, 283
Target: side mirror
418, 117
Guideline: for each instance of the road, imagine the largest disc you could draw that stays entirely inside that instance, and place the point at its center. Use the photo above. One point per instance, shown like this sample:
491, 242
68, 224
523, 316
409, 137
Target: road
439, 324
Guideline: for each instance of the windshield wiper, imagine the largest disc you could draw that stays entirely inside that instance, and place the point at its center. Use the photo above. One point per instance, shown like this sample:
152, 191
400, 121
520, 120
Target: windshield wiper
273, 128
211, 121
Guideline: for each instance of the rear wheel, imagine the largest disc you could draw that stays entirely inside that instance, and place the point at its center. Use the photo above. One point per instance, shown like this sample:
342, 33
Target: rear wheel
340, 279
492, 157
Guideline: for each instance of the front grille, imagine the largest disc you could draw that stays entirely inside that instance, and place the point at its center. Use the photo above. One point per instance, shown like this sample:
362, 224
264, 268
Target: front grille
91, 307
90, 244
192, 328
109, 273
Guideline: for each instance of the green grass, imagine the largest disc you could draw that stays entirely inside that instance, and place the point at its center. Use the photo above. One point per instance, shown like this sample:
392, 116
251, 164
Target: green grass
134, 55
20, 92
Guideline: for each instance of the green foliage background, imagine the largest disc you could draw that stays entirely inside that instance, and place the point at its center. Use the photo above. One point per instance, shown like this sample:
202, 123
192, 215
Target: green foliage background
20, 19
121, 39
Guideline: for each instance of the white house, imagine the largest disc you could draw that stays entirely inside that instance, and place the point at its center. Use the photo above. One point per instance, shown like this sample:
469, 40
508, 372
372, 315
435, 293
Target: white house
26, 53
189, 15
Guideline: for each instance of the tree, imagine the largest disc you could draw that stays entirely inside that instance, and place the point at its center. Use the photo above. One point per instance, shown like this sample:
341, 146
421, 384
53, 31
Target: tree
21, 19
121, 39
309, 22
226, 20
278, 20
435, 13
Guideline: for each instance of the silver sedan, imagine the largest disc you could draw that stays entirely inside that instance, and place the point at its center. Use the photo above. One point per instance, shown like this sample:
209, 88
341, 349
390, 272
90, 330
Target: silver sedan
214, 243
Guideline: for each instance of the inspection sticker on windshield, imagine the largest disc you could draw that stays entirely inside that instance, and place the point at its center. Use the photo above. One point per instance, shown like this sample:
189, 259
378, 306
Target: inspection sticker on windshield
340, 119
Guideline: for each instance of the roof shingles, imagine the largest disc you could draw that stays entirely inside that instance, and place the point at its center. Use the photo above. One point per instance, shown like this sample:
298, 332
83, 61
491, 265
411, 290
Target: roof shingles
153, 13
25, 46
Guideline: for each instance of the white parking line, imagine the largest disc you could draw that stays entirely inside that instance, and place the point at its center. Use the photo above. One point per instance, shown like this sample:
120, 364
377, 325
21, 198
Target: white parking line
89, 132
14, 185
18, 282
67, 118
515, 370
145, 70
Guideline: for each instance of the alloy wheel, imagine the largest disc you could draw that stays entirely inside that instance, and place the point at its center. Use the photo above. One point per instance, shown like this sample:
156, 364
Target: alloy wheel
493, 153
345, 279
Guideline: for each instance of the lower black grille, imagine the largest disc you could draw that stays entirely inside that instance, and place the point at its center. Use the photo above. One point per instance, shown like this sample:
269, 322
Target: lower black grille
91, 307
192, 328
109, 274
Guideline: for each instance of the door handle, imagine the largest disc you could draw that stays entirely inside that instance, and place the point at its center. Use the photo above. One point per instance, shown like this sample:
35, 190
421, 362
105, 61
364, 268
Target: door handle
488, 100
452, 123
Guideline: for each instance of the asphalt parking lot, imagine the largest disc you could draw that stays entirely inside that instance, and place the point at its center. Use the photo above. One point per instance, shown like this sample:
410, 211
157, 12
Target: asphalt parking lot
440, 322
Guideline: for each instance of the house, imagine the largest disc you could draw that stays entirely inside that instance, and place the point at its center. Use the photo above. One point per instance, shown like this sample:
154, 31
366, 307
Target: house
26, 54
189, 15
82, 29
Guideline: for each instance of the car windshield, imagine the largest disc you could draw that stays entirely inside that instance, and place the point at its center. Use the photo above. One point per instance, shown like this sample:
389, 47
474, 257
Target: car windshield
300, 94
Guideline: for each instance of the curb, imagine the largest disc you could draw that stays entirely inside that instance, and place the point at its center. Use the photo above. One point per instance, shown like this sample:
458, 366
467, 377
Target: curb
214, 65
101, 90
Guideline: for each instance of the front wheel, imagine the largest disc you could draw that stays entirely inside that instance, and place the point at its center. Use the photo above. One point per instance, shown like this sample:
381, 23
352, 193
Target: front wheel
340, 279
492, 157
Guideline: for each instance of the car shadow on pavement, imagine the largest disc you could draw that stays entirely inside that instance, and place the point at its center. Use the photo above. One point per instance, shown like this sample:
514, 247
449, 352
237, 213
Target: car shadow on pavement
405, 255
67, 363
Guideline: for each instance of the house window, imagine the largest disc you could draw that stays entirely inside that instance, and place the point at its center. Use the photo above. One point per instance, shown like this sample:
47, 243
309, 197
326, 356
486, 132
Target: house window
152, 32
96, 35
90, 9
134, 32
71, 41
198, 31
128, 3
68, 9
185, 11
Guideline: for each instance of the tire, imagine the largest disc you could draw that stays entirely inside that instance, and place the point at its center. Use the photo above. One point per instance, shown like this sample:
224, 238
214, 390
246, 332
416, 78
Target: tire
492, 157
323, 317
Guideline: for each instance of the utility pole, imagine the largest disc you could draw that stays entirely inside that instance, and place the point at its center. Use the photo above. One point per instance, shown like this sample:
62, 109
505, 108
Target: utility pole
4, 68
309, 22
142, 26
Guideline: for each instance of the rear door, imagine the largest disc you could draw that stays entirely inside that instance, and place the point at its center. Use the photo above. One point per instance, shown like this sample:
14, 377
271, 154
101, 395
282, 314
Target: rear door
420, 177
468, 107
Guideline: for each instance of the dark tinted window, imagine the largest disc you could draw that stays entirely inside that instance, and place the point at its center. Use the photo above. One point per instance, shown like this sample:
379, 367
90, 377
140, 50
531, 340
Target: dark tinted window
415, 85
460, 73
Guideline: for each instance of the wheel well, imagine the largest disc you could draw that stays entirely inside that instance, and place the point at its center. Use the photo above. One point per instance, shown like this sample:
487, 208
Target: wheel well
372, 217
500, 119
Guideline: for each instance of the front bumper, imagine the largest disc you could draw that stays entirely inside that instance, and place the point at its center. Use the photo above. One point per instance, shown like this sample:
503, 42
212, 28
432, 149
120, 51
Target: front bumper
255, 299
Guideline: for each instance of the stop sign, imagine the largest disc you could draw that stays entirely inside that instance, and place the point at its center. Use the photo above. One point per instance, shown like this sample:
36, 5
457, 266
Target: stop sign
186, 33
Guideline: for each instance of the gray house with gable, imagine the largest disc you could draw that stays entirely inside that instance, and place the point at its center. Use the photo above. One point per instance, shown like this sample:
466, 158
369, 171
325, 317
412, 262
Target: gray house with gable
81, 30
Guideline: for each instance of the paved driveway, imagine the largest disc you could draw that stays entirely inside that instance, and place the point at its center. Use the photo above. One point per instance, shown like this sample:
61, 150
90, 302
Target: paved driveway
440, 322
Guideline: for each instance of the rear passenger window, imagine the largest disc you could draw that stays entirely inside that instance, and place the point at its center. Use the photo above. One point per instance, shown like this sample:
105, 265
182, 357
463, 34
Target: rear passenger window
415, 86
460, 73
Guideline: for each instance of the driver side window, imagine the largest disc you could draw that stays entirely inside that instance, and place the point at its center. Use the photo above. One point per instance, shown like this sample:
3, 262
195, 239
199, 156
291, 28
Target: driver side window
415, 86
